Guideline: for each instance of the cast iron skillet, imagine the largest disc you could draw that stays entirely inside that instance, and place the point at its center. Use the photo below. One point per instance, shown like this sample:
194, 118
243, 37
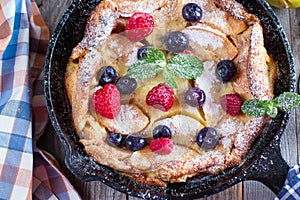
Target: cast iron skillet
264, 163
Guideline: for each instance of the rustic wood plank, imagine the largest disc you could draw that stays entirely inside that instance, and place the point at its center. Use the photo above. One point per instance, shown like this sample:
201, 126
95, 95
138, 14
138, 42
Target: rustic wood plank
295, 43
289, 138
96, 191
233, 193
52, 10
255, 190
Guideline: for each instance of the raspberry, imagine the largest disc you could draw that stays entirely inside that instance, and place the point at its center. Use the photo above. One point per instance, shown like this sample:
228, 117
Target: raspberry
231, 103
107, 101
140, 25
161, 146
188, 52
161, 97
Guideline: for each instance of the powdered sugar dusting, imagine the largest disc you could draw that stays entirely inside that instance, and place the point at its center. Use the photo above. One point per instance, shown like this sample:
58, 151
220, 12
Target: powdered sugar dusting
201, 4
114, 44
132, 58
258, 69
80, 102
130, 120
226, 142
127, 8
204, 38
87, 68
229, 126
99, 26
184, 128
209, 83
145, 159
234, 8
248, 133
216, 18
140, 161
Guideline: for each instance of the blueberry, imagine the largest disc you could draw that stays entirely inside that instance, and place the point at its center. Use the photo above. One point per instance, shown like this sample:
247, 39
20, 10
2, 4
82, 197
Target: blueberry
226, 70
191, 12
142, 52
195, 97
207, 138
134, 143
114, 139
126, 85
161, 131
107, 75
177, 42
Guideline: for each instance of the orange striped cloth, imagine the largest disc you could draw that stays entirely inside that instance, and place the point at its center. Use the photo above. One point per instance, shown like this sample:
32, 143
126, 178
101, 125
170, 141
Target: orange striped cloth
25, 171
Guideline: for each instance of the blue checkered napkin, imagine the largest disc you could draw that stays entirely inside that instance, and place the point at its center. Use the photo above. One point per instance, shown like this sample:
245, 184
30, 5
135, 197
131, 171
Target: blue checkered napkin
15, 96
291, 189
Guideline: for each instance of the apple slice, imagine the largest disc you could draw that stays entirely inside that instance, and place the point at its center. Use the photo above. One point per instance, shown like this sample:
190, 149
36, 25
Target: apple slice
130, 120
213, 42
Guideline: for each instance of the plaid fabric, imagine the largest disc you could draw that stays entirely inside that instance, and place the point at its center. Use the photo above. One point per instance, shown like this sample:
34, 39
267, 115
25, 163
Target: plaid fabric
25, 171
291, 188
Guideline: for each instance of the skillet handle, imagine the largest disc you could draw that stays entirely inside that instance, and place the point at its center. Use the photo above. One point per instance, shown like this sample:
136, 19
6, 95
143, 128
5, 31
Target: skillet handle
270, 169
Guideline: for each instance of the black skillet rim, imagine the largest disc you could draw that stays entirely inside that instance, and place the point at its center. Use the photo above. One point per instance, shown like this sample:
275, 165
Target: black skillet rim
87, 170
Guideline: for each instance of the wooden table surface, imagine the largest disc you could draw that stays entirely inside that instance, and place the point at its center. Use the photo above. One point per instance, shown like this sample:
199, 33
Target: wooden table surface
52, 10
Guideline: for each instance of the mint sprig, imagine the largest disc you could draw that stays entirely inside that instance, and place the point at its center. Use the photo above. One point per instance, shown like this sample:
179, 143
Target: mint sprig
255, 107
284, 102
148, 66
181, 65
185, 66
287, 101
169, 78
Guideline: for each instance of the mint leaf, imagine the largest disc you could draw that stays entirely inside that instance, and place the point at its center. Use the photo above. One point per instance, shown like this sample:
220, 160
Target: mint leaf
169, 78
143, 69
154, 54
255, 107
284, 102
148, 66
287, 101
185, 66
182, 65
271, 111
